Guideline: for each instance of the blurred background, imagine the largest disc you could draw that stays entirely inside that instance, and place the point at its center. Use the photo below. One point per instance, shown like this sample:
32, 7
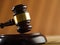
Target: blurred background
45, 16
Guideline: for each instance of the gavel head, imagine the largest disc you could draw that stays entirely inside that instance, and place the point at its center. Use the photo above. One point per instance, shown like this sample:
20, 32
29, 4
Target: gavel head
19, 9
22, 18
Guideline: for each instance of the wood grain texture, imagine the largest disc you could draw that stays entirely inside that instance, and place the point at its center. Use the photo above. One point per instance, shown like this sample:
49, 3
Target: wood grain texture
45, 15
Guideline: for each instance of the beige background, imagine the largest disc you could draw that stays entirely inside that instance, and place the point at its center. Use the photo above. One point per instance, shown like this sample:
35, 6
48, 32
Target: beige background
45, 15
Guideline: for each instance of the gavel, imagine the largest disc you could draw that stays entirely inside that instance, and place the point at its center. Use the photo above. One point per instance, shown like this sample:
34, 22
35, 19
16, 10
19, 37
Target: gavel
21, 19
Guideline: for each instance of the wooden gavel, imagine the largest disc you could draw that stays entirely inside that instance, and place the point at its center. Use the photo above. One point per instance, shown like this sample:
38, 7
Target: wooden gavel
22, 21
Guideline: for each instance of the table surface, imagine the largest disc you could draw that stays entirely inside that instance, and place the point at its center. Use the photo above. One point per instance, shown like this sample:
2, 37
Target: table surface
53, 40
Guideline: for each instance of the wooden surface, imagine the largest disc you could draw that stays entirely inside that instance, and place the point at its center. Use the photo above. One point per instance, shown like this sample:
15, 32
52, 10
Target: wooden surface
53, 40
45, 15
52, 44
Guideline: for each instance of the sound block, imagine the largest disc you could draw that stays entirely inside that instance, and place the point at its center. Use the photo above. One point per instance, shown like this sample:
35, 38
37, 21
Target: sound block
22, 39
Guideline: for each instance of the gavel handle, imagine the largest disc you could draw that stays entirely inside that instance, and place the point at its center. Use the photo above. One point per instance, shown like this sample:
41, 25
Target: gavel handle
8, 23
